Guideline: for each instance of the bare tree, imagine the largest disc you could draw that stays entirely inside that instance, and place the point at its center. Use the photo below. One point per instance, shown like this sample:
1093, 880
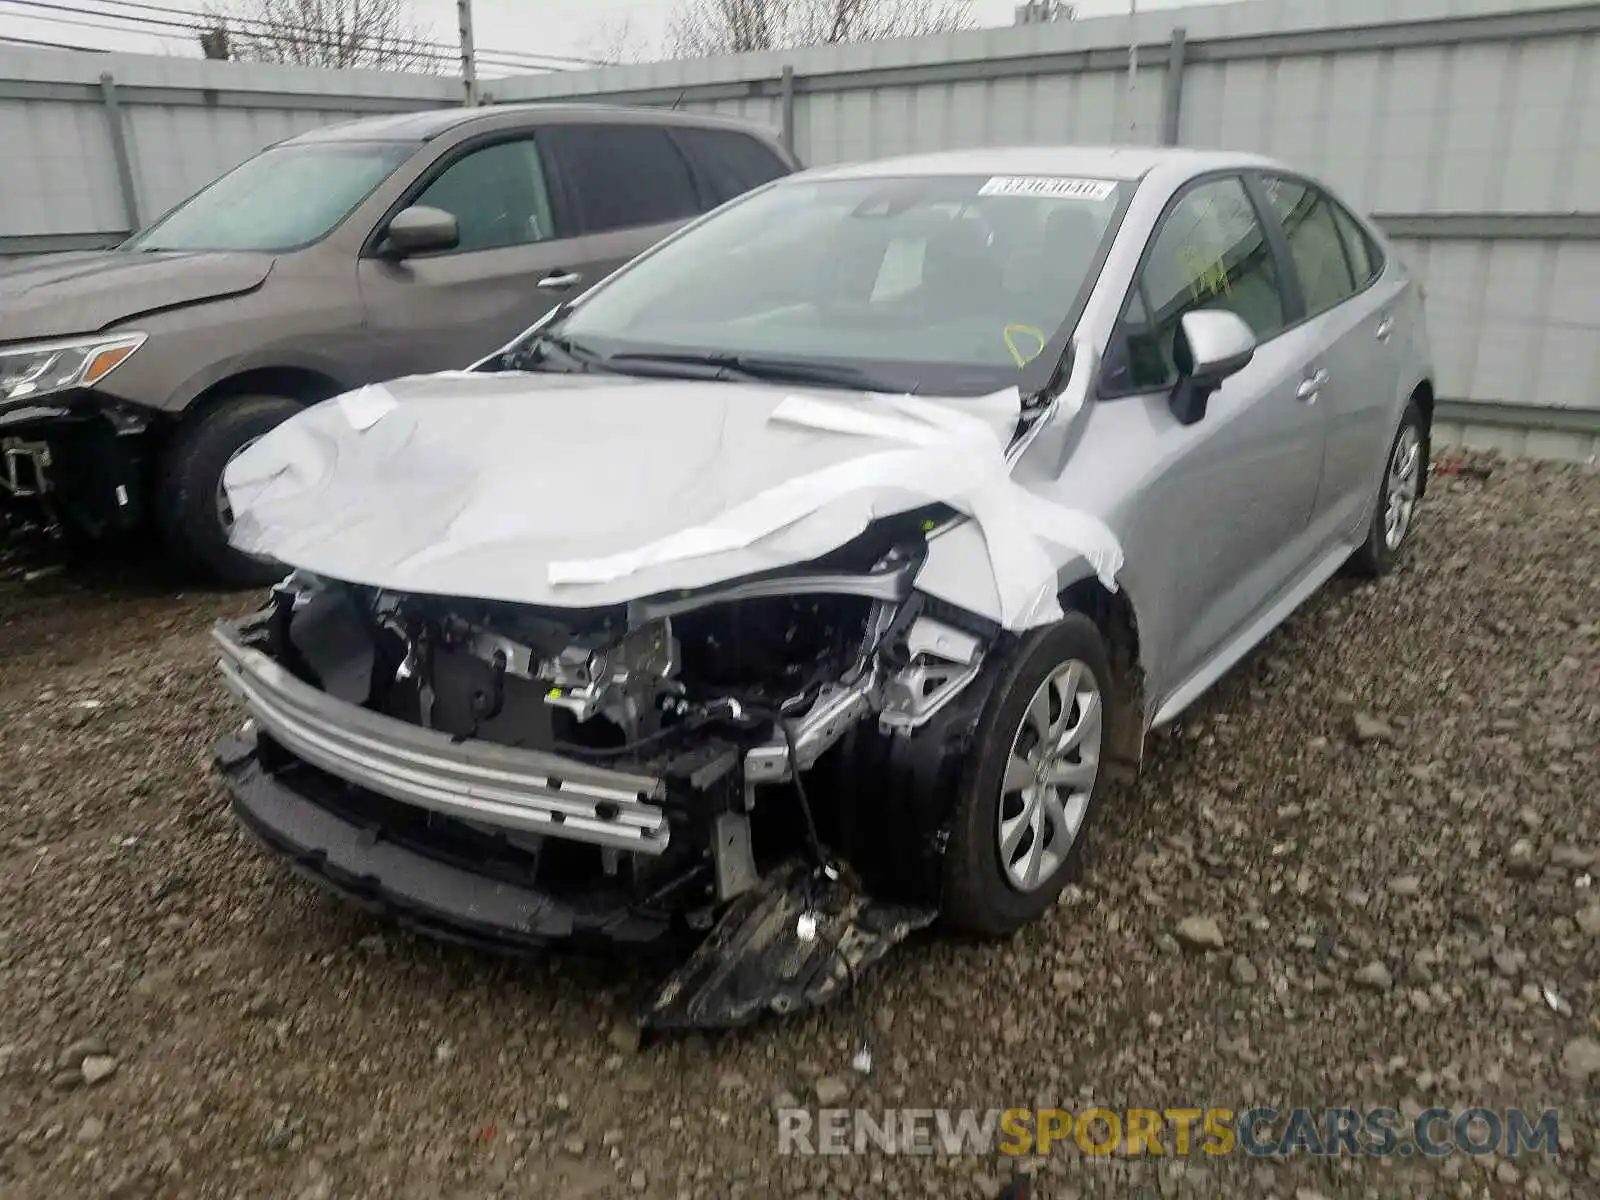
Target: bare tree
702, 27
341, 34
617, 40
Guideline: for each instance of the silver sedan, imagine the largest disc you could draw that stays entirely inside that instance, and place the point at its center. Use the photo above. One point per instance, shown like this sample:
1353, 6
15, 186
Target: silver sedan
872, 520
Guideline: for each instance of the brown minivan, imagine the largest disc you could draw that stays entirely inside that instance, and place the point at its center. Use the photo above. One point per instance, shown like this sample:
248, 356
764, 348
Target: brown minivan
364, 251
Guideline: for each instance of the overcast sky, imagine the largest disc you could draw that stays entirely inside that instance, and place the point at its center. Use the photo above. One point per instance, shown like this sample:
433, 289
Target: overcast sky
553, 27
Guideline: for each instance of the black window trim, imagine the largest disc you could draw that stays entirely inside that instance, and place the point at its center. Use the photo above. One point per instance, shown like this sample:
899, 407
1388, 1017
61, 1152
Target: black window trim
1272, 231
560, 209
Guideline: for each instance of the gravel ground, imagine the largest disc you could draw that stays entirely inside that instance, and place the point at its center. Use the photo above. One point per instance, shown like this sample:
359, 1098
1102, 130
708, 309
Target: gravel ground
1386, 811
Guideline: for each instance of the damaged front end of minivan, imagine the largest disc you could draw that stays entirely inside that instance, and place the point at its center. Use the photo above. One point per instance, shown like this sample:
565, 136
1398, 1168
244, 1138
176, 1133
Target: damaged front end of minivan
512, 776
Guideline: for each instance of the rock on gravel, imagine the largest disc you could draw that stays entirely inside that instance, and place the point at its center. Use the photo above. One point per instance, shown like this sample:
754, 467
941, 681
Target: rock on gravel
274, 1044
1199, 933
1580, 1058
97, 1068
1374, 976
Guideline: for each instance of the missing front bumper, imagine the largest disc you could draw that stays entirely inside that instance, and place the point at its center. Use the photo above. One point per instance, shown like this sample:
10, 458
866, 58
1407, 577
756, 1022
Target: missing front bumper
361, 860
796, 941
521, 790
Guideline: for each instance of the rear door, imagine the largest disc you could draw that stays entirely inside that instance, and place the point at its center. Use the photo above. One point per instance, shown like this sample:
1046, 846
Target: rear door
626, 186
1221, 518
517, 256
1349, 316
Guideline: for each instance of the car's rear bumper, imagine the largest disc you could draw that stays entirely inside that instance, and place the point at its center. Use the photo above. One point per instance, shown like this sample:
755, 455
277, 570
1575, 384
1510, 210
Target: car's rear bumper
379, 868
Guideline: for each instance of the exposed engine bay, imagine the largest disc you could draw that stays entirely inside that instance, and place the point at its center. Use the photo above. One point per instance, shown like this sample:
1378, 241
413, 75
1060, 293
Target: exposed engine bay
738, 700
649, 758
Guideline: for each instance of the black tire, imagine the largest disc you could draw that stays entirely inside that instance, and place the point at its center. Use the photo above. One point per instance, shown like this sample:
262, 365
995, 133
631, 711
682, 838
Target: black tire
1376, 557
186, 491
977, 896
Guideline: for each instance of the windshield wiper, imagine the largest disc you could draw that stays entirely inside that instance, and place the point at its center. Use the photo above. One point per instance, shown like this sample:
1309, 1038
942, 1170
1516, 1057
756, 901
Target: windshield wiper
753, 367
559, 351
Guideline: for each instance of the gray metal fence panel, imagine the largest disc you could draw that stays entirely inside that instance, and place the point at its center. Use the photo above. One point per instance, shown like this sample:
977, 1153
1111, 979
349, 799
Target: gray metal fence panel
182, 123
1470, 128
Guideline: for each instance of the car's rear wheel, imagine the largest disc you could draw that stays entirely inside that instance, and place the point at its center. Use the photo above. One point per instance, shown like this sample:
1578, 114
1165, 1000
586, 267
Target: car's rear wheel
1033, 782
192, 507
1394, 514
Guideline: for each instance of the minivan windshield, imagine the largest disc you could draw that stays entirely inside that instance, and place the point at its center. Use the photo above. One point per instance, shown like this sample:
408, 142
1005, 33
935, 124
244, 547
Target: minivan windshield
284, 198
946, 284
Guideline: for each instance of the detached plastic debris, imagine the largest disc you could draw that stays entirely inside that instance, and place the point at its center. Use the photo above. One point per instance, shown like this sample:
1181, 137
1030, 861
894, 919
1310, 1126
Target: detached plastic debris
758, 960
862, 1062
1556, 1003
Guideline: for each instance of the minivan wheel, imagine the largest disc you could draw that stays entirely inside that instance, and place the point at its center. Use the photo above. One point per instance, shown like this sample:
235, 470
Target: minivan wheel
190, 504
1033, 782
1394, 514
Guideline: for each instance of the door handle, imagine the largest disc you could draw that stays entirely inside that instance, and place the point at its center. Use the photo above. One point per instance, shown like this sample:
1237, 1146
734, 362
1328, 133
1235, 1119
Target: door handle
1385, 328
556, 283
1310, 387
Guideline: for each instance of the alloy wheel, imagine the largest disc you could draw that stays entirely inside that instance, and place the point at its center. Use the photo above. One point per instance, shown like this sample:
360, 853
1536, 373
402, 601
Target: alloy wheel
1050, 775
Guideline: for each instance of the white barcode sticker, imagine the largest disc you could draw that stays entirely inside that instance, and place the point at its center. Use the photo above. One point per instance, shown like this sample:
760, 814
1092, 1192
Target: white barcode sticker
1054, 186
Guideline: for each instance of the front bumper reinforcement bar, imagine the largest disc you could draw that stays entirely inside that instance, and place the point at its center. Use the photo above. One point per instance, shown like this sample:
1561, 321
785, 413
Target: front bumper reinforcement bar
501, 786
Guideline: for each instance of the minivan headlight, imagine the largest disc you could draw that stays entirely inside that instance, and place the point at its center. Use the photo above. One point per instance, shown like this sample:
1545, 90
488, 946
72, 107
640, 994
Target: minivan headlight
41, 368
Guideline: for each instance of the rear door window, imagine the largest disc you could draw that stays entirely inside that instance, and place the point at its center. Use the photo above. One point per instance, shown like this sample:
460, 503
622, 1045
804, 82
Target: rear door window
1315, 244
729, 163
622, 176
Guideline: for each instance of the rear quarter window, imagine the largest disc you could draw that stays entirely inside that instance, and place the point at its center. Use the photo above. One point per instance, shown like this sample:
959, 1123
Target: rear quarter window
729, 163
1365, 257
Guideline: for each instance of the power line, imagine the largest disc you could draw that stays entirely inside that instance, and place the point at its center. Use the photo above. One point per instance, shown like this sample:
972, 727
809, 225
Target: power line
22, 41
226, 19
420, 49
415, 48
415, 56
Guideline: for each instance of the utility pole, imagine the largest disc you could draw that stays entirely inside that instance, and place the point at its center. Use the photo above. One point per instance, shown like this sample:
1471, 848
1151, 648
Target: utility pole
469, 58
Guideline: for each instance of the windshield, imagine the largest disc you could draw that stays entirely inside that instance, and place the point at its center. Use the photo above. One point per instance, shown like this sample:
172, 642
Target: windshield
951, 283
282, 199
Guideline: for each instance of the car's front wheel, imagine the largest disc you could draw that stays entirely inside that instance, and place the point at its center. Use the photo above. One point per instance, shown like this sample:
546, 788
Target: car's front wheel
1398, 493
192, 507
1033, 782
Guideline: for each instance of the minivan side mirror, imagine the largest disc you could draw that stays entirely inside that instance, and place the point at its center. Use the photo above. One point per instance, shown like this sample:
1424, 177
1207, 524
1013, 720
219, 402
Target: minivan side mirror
1211, 345
419, 229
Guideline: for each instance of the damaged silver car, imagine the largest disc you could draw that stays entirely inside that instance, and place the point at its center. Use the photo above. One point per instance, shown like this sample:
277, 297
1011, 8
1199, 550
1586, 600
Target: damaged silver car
814, 577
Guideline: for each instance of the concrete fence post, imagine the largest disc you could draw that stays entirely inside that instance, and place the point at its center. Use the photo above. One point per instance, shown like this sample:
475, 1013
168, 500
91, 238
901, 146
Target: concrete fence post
1172, 93
119, 151
786, 102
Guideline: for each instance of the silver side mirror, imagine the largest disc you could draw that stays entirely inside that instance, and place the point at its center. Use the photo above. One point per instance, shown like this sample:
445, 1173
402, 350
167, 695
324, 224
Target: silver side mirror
1211, 345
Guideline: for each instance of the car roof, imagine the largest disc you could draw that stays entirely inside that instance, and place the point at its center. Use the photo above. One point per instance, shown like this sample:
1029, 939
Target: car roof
1101, 162
431, 123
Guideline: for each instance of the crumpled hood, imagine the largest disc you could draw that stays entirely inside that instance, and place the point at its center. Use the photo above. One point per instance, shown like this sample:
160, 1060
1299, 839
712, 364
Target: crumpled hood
472, 485
60, 295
